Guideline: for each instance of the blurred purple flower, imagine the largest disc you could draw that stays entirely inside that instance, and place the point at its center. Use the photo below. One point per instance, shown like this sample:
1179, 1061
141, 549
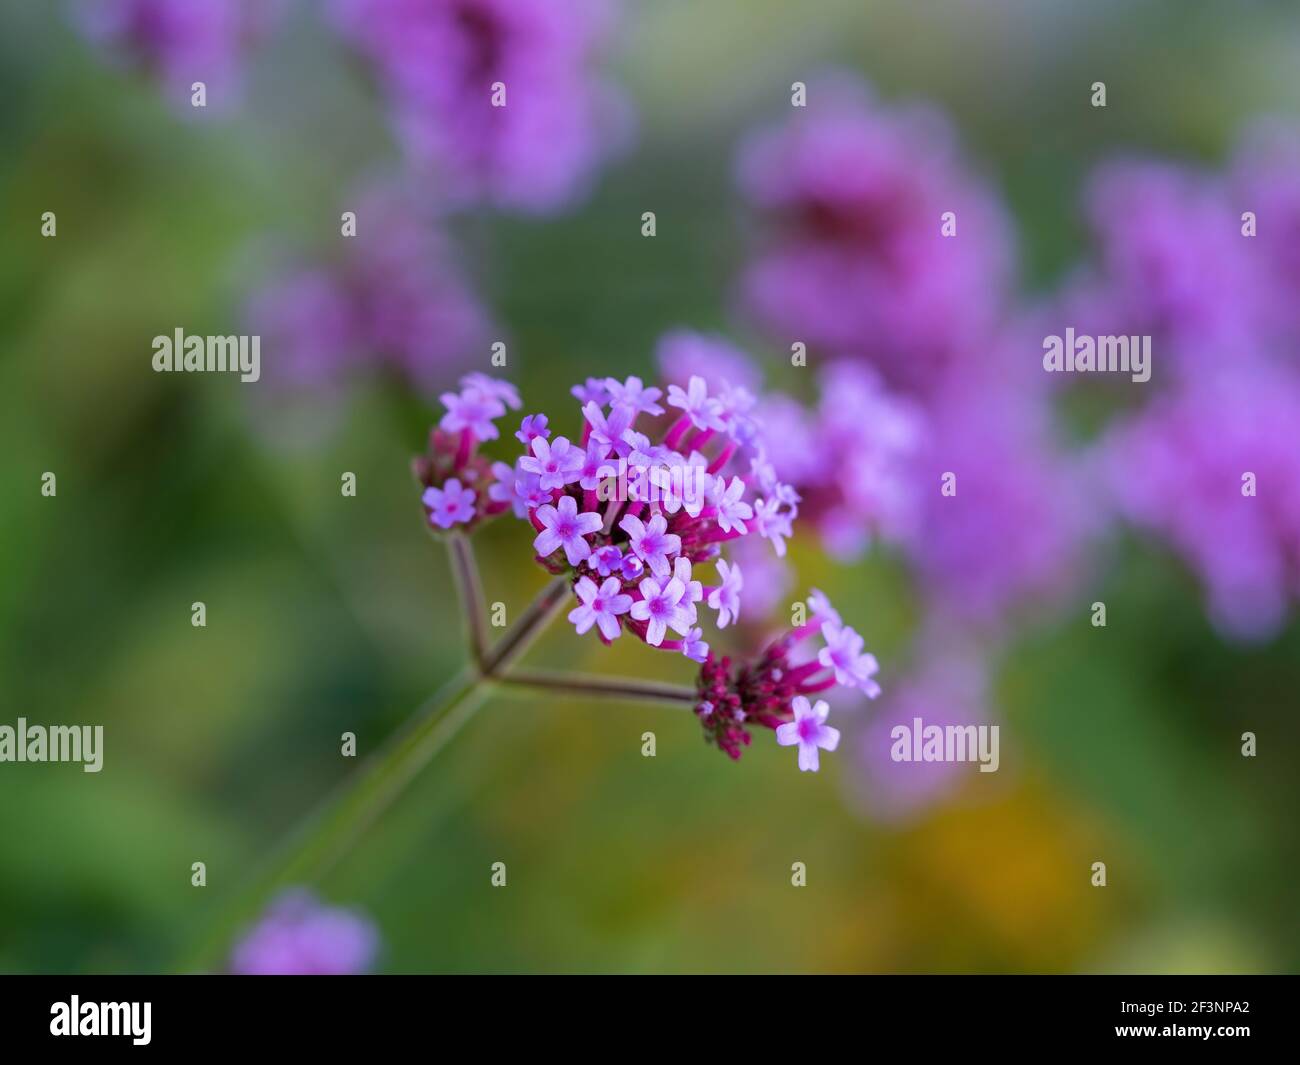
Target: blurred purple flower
393, 300
180, 42
1266, 181
438, 63
1010, 531
949, 690
1172, 264
854, 194
299, 936
1179, 469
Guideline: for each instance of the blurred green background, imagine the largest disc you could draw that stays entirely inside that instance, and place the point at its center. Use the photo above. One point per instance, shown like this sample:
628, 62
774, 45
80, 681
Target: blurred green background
328, 614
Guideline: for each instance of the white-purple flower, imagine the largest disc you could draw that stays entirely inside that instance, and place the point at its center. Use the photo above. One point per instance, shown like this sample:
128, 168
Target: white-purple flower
725, 598
610, 430
593, 391
471, 409
652, 543
773, 523
821, 607
600, 606
557, 462
505, 391
809, 730
694, 647
732, 509
843, 653
661, 607
449, 505
533, 426
694, 588
595, 468
606, 560
565, 527
634, 395
704, 411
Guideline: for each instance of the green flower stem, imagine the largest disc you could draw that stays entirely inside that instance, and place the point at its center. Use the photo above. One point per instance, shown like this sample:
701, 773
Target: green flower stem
600, 687
333, 830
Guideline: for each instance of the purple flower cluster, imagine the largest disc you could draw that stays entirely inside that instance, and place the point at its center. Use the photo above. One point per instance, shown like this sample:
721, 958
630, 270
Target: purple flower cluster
854, 259
1214, 468
497, 97
180, 42
394, 301
299, 936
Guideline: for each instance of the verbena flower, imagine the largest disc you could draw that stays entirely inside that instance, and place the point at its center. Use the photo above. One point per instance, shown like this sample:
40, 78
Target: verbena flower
300, 936
392, 301
771, 689
853, 260
462, 486
180, 42
808, 731
1195, 448
437, 64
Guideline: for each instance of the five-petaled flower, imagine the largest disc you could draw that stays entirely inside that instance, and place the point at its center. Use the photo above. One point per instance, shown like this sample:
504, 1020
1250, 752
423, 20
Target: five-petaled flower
661, 607
564, 527
809, 730
704, 411
600, 606
471, 409
843, 654
725, 598
449, 505
651, 542
556, 462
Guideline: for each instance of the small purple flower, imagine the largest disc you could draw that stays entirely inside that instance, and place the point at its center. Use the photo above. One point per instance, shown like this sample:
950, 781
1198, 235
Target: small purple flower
704, 411
600, 606
694, 588
725, 598
594, 467
606, 560
610, 431
634, 395
661, 607
556, 462
694, 647
593, 390
821, 607
449, 505
843, 654
652, 543
631, 568
809, 731
505, 391
299, 936
773, 523
732, 510
533, 426
471, 409
565, 527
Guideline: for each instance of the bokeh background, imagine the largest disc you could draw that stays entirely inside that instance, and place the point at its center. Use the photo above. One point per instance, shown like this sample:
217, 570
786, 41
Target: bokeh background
328, 614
